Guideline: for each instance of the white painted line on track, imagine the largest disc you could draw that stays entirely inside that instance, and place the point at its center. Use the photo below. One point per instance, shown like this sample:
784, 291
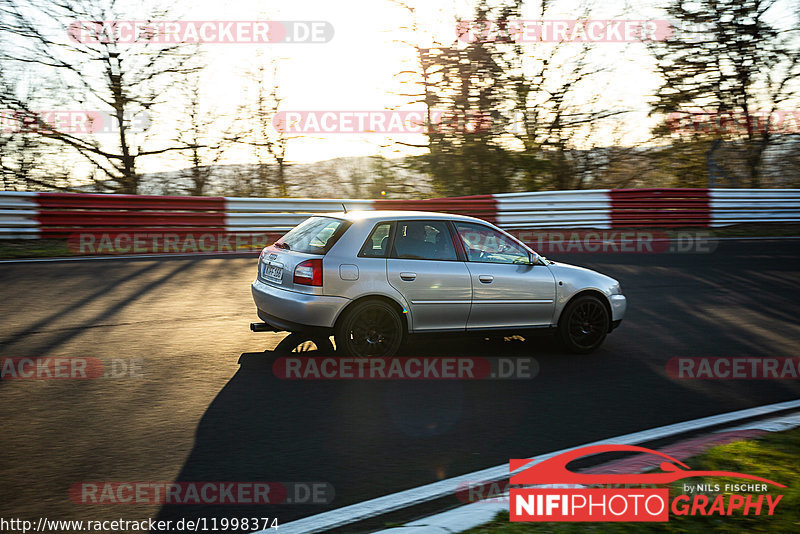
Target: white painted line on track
396, 501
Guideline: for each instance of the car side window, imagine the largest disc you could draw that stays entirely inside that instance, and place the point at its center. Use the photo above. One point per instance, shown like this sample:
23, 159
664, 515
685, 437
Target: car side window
423, 240
485, 245
377, 244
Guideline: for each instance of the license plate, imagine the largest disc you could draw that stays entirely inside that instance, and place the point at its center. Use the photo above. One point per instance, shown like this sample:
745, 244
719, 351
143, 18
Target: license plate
273, 273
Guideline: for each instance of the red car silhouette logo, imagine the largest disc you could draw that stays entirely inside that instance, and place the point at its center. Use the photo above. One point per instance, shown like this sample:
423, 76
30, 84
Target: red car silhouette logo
554, 470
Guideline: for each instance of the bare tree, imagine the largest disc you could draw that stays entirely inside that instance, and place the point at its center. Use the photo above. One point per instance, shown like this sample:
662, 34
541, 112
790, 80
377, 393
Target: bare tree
462, 88
203, 136
563, 120
730, 59
255, 129
122, 80
539, 107
28, 161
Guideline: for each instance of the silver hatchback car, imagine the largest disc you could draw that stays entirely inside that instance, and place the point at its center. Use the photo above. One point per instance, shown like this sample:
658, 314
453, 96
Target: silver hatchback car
370, 278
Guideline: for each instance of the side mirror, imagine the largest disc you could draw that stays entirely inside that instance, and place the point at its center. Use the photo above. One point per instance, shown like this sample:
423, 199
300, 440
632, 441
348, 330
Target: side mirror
533, 259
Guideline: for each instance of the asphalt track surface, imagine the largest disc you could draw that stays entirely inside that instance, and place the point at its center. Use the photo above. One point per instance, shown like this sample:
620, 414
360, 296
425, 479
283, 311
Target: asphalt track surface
209, 408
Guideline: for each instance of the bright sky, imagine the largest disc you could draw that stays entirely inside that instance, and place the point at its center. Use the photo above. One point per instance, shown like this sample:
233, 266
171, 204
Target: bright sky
356, 70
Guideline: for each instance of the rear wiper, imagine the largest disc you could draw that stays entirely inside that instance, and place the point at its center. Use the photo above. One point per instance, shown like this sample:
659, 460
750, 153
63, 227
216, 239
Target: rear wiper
284, 246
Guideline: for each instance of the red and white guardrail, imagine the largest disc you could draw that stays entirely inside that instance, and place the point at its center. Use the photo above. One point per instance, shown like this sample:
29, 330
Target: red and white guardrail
53, 215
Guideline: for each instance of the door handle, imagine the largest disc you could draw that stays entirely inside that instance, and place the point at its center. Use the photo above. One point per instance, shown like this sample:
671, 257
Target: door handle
408, 277
486, 278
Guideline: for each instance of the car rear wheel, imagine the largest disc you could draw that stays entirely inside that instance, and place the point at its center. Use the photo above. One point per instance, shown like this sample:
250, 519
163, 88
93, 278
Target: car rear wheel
370, 329
584, 324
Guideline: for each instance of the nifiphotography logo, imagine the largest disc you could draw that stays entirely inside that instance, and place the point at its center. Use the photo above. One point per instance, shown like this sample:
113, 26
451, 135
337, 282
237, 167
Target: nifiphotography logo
628, 504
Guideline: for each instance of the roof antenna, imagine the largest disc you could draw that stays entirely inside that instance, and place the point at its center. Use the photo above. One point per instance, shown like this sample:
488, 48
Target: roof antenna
344, 207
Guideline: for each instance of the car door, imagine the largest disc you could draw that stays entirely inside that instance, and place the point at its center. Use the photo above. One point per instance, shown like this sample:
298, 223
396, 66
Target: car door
426, 269
507, 291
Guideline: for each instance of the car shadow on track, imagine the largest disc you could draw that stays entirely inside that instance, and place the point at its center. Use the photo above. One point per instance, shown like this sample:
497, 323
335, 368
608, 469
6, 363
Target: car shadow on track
357, 438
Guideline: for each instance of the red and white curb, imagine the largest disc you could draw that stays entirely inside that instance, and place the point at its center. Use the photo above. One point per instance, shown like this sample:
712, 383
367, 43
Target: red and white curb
478, 513
33, 215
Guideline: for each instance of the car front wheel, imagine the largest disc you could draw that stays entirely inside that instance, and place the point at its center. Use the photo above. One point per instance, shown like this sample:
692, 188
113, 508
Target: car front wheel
370, 329
584, 324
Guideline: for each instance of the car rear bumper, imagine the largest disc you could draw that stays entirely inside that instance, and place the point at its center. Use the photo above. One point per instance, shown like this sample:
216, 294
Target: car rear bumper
293, 311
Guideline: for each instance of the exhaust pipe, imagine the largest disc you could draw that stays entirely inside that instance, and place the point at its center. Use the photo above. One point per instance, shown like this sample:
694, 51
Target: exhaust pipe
261, 327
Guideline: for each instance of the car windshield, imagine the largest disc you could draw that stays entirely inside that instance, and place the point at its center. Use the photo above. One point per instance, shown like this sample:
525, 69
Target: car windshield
315, 235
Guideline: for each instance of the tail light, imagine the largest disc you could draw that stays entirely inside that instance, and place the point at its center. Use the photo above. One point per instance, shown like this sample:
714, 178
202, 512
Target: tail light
308, 273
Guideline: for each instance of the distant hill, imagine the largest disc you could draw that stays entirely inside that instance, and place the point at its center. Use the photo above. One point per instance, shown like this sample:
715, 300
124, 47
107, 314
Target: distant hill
367, 176
346, 177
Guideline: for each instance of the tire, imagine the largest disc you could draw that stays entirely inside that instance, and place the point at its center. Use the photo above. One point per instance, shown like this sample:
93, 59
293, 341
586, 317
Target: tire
584, 324
371, 328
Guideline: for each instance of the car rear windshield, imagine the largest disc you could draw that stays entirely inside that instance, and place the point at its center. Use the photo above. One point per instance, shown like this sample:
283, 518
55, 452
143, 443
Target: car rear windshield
315, 235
